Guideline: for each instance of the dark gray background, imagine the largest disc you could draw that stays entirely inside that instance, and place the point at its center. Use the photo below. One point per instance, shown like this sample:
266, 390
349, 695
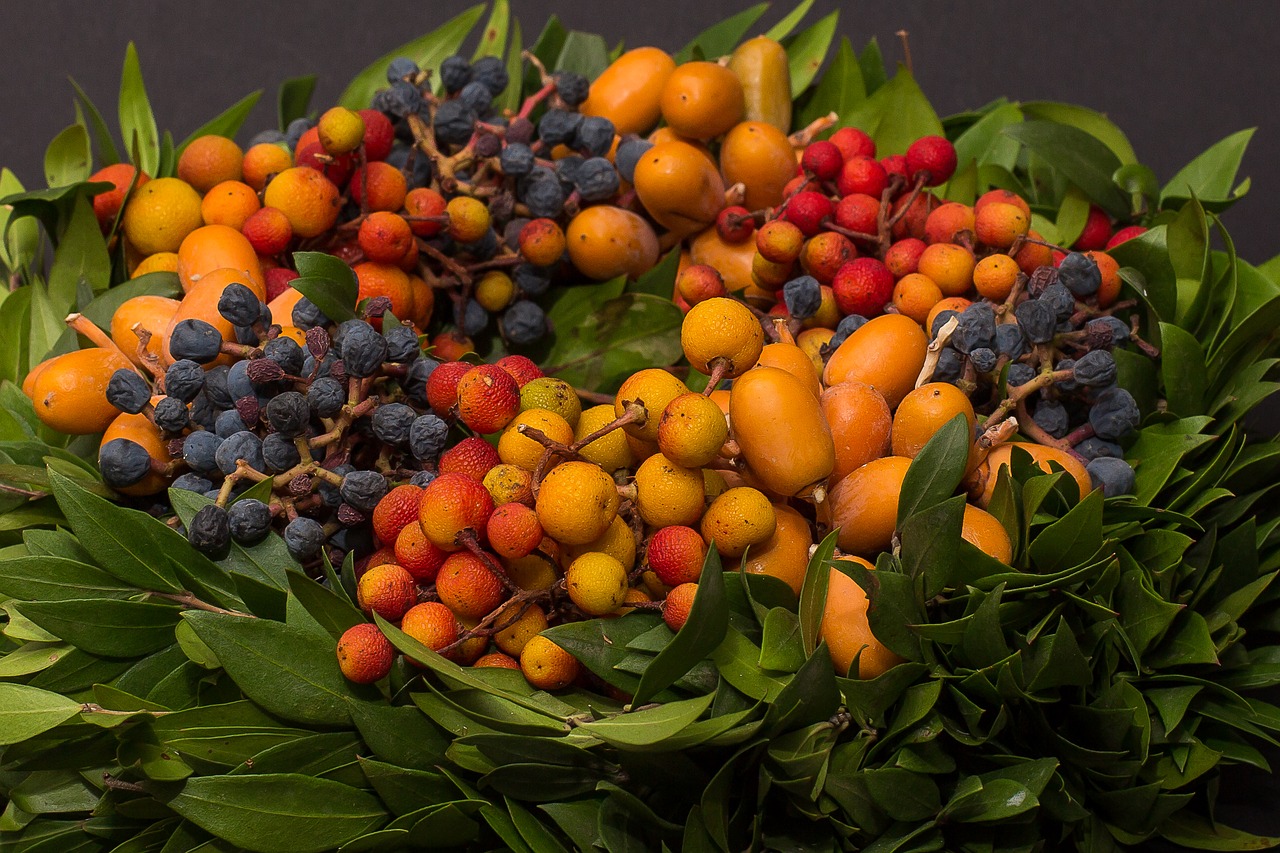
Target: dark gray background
1176, 76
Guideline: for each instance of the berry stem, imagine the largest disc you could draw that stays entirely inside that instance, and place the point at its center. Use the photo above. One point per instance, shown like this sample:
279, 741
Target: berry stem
1034, 431
188, 600
83, 326
933, 351
469, 540
805, 135
594, 397
719, 367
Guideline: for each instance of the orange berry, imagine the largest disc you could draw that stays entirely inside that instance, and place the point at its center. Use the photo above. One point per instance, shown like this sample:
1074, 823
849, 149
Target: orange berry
451, 345
341, 130
424, 202
994, 277
925, 411
106, 205
950, 266
824, 254
985, 532
885, 353
376, 279
468, 587
1110, 270
268, 231
948, 222
263, 161
365, 654
779, 241
397, 508
141, 431
308, 198
514, 530
678, 603
518, 624
702, 100
418, 555
846, 630
1004, 196
700, 282
542, 242
387, 590
160, 214
468, 218
903, 257
472, 457
432, 624
70, 392
1033, 255
153, 313
488, 399
217, 247
384, 237
509, 484
999, 224
914, 295
379, 186
384, 556
209, 160
676, 553
860, 425
453, 504
442, 386
864, 505
547, 666
496, 660
229, 203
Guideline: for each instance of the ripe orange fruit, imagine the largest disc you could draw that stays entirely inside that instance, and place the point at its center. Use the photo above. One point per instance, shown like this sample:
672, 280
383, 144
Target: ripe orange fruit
264, 160
692, 430
629, 91
652, 388
721, 330
229, 203
524, 452
994, 276
611, 450
496, 660
864, 505
397, 508
376, 279
738, 519
153, 313
384, 237
702, 100
70, 392
432, 624
422, 203
509, 484
667, 493
215, 247
860, 425
782, 432
547, 666
677, 604
1110, 270
999, 224
597, 583
513, 530
488, 398
606, 241
365, 654
268, 231
106, 205
915, 295
307, 197
518, 624
925, 411
785, 554
468, 587
887, 353
209, 160
618, 542
387, 590
379, 186
847, 631
984, 478
418, 555
452, 504
160, 214
468, 218
761, 157
542, 242
950, 266
985, 532
159, 262
576, 502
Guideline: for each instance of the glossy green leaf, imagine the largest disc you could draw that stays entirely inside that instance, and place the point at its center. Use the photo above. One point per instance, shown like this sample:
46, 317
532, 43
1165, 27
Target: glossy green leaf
68, 158
813, 592
1211, 176
1182, 365
137, 123
428, 51
227, 123
660, 280
936, 471
511, 96
702, 632
46, 578
328, 282
720, 38
585, 53
1090, 121
648, 726
608, 341
871, 61
929, 538
493, 36
1194, 832
896, 114
294, 99
27, 711
790, 21
807, 50
81, 256
107, 627
781, 647
1080, 157
108, 154
104, 306
839, 91
278, 811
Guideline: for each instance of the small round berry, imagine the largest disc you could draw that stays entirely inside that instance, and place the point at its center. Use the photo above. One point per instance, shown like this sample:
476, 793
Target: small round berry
279, 453
524, 323
210, 531
128, 391
195, 340
363, 489
171, 415
822, 159
1113, 475
250, 520
326, 397
123, 463
303, 537
932, 156
289, 413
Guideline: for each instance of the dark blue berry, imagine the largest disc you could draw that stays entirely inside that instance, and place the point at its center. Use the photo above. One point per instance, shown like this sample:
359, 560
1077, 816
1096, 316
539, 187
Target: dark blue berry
210, 531
530, 279
279, 453
1115, 476
229, 423
303, 537
217, 388
289, 414
238, 384
249, 520
1010, 341
941, 320
975, 328
191, 482
128, 391
1093, 448
596, 179
242, 446
1051, 416
471, 318
1037, 320
491, 72
628, 155
566, 170
1070, 384
307, 316
1019, 374
415, 381
199, 449
328, 492
1112, 327
1057, 297
400, 68
516, 160
524, 322
402, 344
195, 340
427, 436
392, 422
1095, 369
415, 165
950, 363
454, 123
203, 413
363, 348
285, 352
983, 359
476, 96
1114, 414
542, 193
455, 72
239, 305
363, 489
594, 136
557, 127
293, 132
268, 136
123, 463
184, 379
326, 397
803, 296
422, 479
571, 86
1079, 273
172, 415
484, 248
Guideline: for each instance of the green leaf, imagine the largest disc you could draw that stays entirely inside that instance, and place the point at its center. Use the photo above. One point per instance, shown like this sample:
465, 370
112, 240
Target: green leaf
984, 144
937, 470
428, 51
278, 811
722, 37
1192, 831
807, 51
813, 592
227, 123
1211, 176
46, 325
81, 256
294, 98
26, 712
585, 53
108, 154
288, 671
329, 609
104, 306
107, 627
781, 647
493, 38
896, 114
840, 90
1073, 214
660, 279
601, 644
119, 538
648, 726
929, 540
702, 632
903, 795
1182, 365
1091, 122
328, 282
68, 159
598, 343
787, 25
510, 97
1081, 158
31, 658
871, 61
46, 578
1072, 539
137, 123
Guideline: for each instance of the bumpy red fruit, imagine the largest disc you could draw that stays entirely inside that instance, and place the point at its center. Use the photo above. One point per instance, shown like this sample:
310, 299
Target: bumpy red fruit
278, 279
859, 212
468, 587
473, 457
1097, 231
806, 210
862, 175
514, 531
387, 590
364, 654
442, 386
488, 398
676, 553
779, 241
863, 286
417, 554
822, 159
903, 257
735, 224
453, 504
522, 368
378, 134
678, 603
397, 508
423, 204
932, 156
853, 142
698, 283
542, 242
895, 164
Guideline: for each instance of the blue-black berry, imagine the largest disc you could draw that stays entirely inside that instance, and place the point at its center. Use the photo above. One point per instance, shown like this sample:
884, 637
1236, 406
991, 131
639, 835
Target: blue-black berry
239, 305
326, 397
172, 415
1115, 476
1114, 414
210, 531
1079, 273
285, 352
249, 521
199, 449
596, 179
524, 322
572, 87
245, 446
303, 537
289, 414
455, 72
391, 422
279, 453
516, 159
454, 122
400, 68
192, 482
427, 435
594, 136
557, 127
1095, 369
128, 391
490, 71
363, 348
184, 379
363, 489
802, 296
1037, 319
628, 155
123, 463
196, 340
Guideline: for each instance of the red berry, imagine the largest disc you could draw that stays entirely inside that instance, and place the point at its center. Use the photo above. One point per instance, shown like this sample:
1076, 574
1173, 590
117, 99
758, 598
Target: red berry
862, 175
903, 257
735, 224
473, 457
934, 156
488, 398
852, 142
822, 159
378, 134
521, 368
806, 210
863, 286
278, 279
1127, 233
859, 212
895, 164
442, 386
1097, 230
397, 508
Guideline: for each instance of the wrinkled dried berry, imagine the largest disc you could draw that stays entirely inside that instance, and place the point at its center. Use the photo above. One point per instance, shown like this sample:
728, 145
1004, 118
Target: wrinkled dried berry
303, 537
363, 489
249, 521
172, 415
391, 422
123, 463
210, 531
288, 414
128, 391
